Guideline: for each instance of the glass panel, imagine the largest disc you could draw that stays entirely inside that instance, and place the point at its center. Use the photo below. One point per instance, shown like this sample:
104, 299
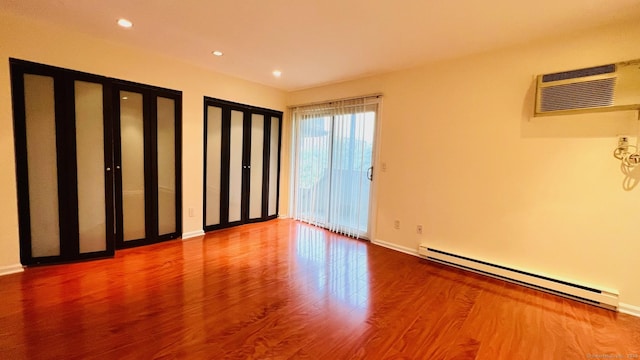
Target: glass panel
235, 166
366, 129
91, 167
166, 166
313, 168
132, 167
42, 165
273, 166
351, 158
214, 147
257, 152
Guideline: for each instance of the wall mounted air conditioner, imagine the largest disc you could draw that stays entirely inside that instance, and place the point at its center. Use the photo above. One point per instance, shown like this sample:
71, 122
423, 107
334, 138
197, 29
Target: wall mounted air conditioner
610, 87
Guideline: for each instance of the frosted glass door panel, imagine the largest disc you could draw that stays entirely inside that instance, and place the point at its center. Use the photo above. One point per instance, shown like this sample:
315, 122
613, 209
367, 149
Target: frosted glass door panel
132, 150
273, 166
166, 166
235, 166
90, 161
42, 165
257, 151
214, 148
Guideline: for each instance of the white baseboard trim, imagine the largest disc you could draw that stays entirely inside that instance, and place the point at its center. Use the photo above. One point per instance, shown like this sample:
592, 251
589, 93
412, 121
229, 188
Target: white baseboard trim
400, 248
11, 269
622, 307
629, 309
192, 234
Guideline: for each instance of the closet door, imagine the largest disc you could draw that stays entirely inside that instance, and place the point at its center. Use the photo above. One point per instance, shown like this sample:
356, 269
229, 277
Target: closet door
225, 168
241, 178
236, 169
255, 168
98, 163
213, 194
147, 165
63, 158
272, 187
263, 165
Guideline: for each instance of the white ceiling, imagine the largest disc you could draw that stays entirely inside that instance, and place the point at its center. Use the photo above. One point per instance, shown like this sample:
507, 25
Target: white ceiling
317, 42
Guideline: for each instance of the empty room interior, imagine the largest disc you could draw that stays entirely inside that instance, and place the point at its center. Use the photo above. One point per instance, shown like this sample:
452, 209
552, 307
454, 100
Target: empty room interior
319, 179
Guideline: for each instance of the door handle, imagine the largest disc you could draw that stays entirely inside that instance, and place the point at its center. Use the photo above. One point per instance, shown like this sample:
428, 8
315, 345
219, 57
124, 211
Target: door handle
370, 173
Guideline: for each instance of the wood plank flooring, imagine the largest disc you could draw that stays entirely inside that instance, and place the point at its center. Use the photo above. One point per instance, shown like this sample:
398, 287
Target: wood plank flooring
286, 290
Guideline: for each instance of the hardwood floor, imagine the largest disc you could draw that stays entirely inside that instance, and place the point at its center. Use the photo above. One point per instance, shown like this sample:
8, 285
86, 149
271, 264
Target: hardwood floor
286, 290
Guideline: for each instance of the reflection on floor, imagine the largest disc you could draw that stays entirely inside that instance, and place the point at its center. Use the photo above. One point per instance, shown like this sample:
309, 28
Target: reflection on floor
332, 267
287, 290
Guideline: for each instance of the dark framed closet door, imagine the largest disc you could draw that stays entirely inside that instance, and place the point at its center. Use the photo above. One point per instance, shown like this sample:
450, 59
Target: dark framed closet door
241, 161
263, 158
63, 138
148, 163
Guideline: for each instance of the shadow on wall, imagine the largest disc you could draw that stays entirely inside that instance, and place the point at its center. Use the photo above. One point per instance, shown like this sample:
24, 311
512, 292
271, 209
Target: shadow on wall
631, 176
590, 125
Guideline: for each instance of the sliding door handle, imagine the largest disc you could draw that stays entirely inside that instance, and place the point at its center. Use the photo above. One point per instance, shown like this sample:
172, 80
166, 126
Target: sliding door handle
370, 173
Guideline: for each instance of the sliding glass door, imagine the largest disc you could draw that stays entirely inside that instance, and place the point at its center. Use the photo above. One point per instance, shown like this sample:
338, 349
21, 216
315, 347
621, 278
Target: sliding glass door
333, 165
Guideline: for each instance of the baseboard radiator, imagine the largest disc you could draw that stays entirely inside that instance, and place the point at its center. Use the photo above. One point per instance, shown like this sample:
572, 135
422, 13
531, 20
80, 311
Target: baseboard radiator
605, 298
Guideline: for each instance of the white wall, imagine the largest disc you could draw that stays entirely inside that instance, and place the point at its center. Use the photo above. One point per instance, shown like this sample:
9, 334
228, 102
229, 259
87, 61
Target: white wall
466, 160
24, 39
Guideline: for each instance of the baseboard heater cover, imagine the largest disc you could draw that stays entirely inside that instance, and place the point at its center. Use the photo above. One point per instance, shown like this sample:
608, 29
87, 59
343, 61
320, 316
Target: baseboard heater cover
606, 298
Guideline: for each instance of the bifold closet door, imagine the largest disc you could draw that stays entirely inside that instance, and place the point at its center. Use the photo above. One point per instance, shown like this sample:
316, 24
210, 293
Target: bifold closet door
132, 168
264, 167
63, 153
236, 168
274, 167
213, 167
147, 163
97, 160
242, 148
224, 167
94, 176
255, 167
167, 182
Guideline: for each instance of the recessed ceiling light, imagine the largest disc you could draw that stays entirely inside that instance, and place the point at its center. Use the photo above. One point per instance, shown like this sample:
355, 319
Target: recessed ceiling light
125, 98
125, 23
277, 73
217, 53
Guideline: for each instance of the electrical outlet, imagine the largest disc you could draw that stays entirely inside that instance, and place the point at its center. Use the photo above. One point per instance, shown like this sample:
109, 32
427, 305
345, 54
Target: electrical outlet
384, 167
396, 224
190, 212
419, 229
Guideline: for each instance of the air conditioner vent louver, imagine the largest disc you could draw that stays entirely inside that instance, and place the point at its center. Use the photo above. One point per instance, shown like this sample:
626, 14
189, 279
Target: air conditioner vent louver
579, 95
573, 74
609, 87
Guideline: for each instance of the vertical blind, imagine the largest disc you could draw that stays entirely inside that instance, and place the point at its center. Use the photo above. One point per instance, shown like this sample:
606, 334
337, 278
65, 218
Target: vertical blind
333, 164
